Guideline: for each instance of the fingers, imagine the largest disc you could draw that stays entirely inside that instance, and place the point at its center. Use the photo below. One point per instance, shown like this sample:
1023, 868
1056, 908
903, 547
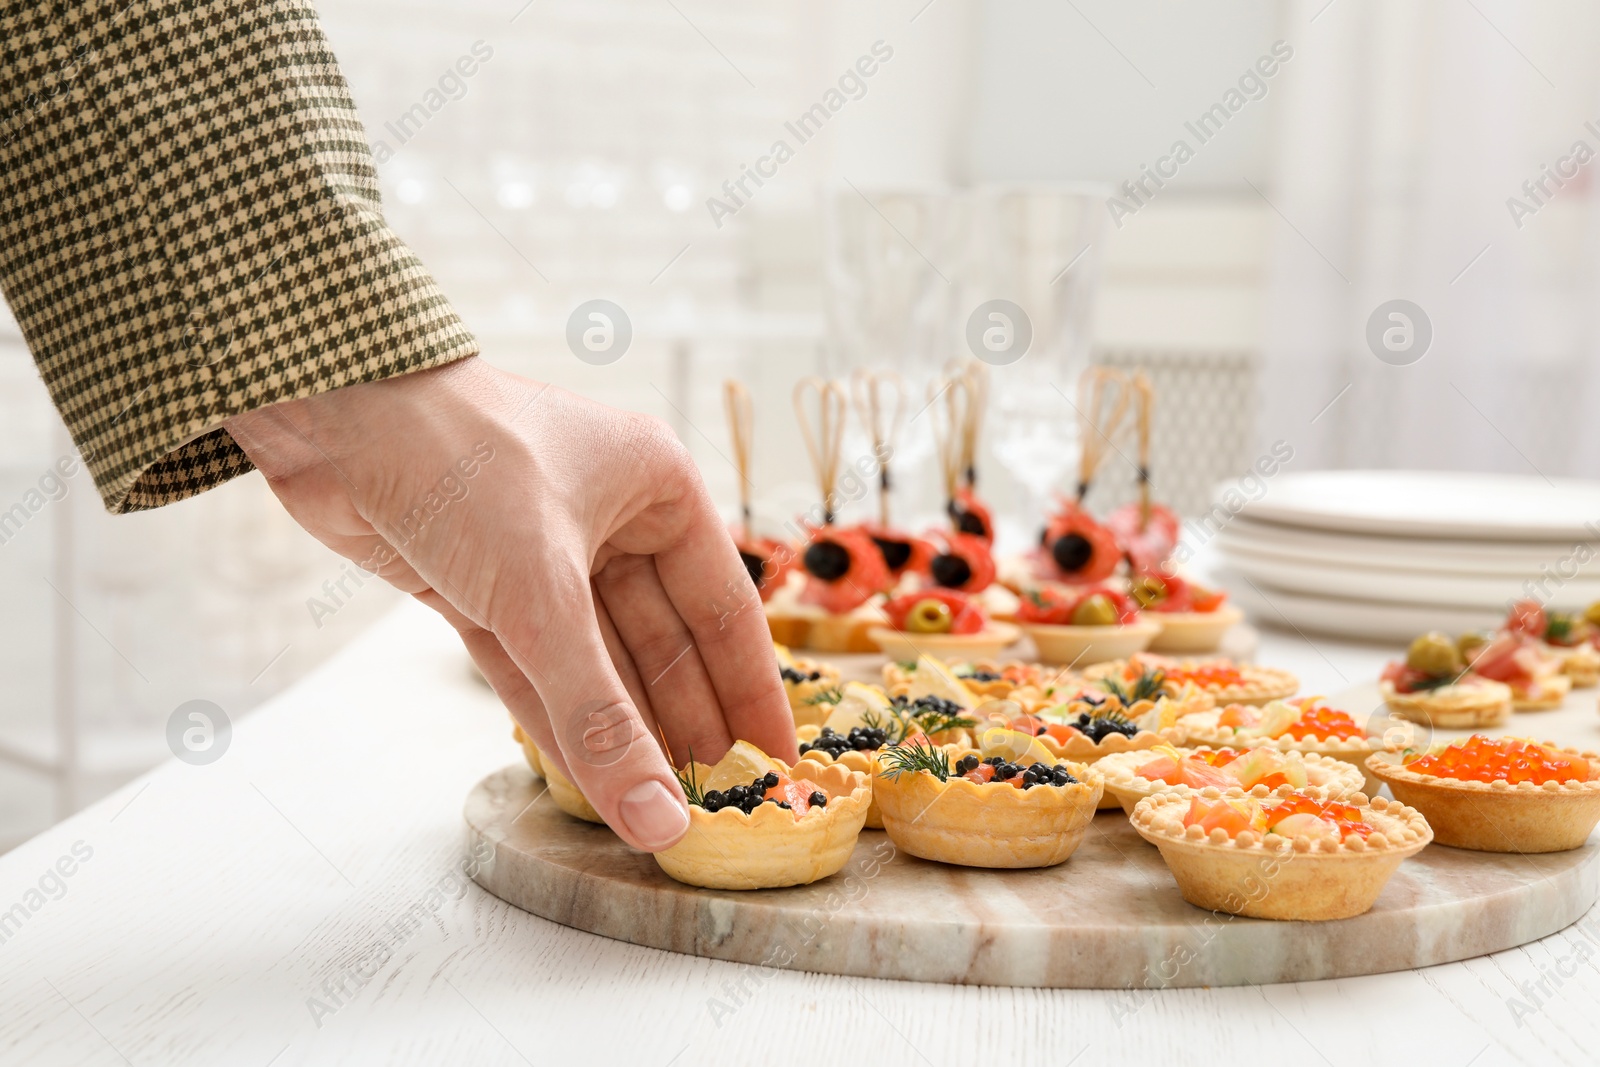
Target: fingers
514, 690
545, 618
709, 586
681, 692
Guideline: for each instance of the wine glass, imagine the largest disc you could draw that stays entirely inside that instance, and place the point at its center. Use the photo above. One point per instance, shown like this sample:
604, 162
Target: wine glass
1037, 246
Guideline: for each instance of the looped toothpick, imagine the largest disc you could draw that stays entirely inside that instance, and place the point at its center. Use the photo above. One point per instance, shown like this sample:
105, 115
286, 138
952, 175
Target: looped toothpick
976, 375
741, 424
949, 402
824, 437
1099, 422
868, 389
1147, 400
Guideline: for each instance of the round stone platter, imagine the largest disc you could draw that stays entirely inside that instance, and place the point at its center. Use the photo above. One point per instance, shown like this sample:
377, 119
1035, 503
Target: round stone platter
1110, 917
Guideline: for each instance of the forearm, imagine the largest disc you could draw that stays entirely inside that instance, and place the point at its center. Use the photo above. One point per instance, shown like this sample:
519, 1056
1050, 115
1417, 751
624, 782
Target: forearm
192, 230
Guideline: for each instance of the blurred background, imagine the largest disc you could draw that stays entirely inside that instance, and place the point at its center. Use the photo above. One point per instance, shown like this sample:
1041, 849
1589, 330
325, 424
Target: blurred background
998, 149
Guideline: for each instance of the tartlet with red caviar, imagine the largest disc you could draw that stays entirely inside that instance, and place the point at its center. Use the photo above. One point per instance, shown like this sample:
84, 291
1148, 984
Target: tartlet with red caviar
1132, 776
1505, 794
1433, 685
1083, 626
1292, 855
756, 823
1008, 804
1224, 680
1193, 618
1305, 726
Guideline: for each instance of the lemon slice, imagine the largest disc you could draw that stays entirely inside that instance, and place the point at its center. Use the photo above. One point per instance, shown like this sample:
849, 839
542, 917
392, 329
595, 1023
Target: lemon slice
856, 704
930, 678
785, 658
743, 764
1014, 746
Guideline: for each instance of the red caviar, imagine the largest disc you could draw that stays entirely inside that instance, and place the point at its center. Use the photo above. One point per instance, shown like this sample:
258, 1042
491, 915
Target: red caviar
1206, 675
1324, 722
1506, 759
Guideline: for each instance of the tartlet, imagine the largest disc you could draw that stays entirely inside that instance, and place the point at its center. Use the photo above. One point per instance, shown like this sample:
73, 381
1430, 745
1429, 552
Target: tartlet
809, 684
1033, 685
568, 797
865, 721
1305, 726
1566, 637
1548, 811
934, 812
1224, 680
769, 846
1223, 768
943, 623
1433, 685
1193, 619
1083, 626
1320, 870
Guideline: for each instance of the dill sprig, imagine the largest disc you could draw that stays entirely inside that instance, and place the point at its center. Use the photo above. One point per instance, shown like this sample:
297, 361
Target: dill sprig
1149, 686
825, 696
689, 779
904, 759
1558, 628
937, 722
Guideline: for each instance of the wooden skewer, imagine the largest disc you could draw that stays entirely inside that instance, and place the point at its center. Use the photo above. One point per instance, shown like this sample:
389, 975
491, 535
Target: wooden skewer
741, 422
1147, 400
867, 389
825, 438
947, 405
977, 376
1098, 425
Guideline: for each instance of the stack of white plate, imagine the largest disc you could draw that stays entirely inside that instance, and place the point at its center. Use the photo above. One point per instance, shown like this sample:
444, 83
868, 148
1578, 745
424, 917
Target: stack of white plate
1389, 554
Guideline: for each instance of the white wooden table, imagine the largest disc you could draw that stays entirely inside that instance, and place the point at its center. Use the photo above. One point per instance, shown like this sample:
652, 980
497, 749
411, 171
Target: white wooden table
296, 902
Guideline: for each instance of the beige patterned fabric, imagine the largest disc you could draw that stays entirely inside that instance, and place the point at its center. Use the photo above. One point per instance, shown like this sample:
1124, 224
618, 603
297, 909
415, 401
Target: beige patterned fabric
190, 228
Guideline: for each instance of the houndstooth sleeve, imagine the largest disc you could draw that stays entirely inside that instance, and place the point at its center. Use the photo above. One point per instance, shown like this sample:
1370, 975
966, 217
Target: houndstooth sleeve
190, 228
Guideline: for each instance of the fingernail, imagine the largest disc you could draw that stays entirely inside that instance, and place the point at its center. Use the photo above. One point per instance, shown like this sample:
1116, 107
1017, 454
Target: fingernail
654, 817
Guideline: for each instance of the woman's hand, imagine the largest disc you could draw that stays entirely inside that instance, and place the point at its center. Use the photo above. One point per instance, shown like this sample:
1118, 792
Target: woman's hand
572, 545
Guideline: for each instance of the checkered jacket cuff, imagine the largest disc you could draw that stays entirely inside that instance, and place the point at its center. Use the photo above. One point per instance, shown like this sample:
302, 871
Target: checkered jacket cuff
190, 228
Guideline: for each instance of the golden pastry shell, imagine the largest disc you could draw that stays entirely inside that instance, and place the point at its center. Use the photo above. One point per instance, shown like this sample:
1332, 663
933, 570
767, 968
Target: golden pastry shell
991, 824
1499, 816
1294, 878
1124, 783
770, 847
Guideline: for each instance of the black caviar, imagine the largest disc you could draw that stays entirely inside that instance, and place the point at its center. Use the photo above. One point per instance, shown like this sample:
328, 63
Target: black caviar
1032, 774
795, 677
1098, 728
859, 739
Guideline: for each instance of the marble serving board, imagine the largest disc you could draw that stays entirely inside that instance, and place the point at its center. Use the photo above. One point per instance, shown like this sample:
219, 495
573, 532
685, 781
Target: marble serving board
1109, 918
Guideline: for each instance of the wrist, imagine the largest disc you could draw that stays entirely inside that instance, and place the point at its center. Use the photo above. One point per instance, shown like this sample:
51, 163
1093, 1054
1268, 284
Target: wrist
329, 427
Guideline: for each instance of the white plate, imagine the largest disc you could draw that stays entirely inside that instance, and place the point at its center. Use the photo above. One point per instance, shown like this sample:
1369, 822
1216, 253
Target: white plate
1360, 619
1449, 504
1522, 558
1343, 580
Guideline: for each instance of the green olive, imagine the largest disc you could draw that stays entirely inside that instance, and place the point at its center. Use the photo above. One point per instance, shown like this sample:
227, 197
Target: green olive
1470, 642
1434, 653
1096, 610
1148, 589
1591, 614
929, 617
